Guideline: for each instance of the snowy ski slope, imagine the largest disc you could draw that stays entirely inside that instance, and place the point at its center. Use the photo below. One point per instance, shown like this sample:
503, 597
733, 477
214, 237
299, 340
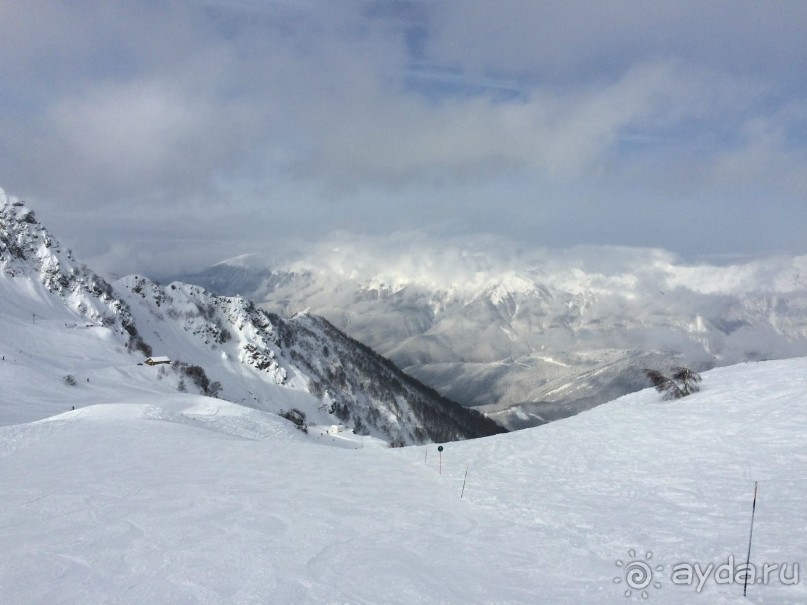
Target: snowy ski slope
177, 498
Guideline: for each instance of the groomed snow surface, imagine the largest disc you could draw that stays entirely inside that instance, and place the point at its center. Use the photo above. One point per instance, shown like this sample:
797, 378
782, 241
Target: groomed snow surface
177, 498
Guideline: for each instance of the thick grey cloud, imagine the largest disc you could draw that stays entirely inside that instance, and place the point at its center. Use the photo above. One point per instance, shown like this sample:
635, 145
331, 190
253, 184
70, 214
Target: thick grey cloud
155, 136
565, 41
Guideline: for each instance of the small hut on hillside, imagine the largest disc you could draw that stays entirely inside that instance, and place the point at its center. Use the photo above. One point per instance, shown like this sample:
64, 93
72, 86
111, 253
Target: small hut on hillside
156, 361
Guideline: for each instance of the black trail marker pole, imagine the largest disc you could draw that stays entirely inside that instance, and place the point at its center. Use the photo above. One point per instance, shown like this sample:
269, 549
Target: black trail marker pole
464, 480
440, 449
750, 535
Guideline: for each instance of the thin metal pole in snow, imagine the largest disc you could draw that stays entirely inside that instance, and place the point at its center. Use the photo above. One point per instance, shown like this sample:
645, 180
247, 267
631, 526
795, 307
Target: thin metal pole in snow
464, 480
750, 535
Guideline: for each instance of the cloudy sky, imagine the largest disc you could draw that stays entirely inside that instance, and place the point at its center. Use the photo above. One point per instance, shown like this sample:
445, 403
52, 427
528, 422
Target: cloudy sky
156, 136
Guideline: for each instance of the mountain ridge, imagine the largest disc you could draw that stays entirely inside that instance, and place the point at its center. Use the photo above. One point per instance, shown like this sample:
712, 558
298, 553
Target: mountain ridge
226, 347
479, 329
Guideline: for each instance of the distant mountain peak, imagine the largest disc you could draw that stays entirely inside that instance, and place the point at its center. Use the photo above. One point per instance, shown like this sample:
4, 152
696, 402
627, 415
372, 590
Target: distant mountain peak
510, 285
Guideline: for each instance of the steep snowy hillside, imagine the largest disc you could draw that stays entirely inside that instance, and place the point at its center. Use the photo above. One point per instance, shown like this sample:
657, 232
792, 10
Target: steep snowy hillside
248, 353
75, 339
533, 338
193, 500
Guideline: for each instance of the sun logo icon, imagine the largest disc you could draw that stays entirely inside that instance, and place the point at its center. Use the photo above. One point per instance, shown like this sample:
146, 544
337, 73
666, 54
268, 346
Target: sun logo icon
638, 574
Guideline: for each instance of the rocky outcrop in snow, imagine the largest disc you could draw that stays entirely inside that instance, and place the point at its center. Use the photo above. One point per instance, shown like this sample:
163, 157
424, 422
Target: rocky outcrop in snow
348, 382
29, 251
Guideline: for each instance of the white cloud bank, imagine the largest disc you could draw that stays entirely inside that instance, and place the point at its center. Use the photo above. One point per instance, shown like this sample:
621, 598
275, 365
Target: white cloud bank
209, 128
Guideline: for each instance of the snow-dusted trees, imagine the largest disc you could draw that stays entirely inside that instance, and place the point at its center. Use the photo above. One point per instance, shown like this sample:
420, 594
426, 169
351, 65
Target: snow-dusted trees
199, 377
297, 417
681, 383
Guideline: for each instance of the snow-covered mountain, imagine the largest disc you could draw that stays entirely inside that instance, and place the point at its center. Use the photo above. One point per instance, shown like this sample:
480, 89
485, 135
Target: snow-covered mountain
533, 337
66, 330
